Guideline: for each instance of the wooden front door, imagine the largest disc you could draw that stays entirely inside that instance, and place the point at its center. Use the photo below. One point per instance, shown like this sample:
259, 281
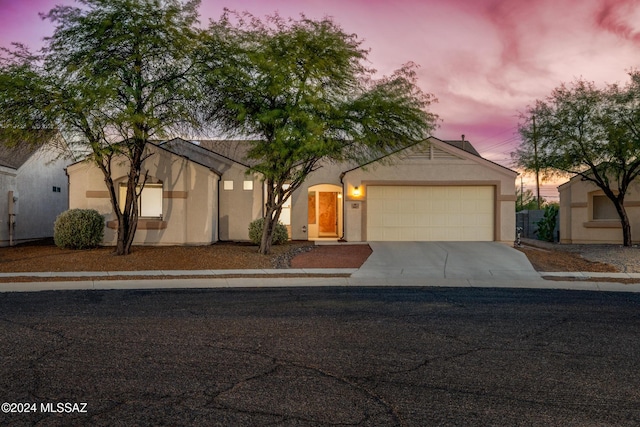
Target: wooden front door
328, 213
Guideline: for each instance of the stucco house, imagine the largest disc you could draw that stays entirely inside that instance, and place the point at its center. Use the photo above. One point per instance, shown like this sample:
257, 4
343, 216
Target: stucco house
199, 193
34, 188
588, 216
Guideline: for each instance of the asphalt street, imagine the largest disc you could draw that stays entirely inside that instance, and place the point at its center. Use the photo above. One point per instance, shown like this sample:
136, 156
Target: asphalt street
320, 356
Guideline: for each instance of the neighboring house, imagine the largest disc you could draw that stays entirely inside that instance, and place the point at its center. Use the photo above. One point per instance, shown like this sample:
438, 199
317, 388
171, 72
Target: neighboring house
34, 188
588, 216
199, 193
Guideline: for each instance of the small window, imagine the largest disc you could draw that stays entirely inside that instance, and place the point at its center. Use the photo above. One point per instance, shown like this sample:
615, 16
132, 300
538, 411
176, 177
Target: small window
56, 189
149, 202
247, 185
285, 214
311, 202
227, 185
603, 208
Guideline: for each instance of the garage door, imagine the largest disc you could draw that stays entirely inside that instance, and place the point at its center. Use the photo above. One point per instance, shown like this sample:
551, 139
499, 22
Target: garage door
430, 213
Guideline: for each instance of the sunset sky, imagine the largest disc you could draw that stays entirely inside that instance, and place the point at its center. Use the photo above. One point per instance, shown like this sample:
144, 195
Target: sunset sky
485, 60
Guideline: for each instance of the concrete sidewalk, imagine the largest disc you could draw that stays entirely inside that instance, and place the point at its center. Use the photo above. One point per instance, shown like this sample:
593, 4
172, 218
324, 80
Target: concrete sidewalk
354, 273
323, 278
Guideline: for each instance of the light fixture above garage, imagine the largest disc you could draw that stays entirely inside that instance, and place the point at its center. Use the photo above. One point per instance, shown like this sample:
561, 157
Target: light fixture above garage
356, 191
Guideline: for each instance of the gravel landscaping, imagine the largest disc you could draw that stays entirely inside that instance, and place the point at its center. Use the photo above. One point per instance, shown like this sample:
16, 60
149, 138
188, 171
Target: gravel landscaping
44, 256
593, 258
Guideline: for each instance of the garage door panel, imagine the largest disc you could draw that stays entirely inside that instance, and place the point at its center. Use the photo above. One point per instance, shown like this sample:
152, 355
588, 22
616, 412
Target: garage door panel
430, 213
390, 220
391, 206
438, 220
407, 220
422, 221
405, 205
422, 205
453, 205
455, 219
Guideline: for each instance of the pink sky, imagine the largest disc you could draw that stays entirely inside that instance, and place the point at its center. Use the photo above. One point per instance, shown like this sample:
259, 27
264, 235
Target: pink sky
485, 60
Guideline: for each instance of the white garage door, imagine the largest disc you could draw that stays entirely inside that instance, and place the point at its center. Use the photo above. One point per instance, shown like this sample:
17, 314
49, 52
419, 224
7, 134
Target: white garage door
425, 213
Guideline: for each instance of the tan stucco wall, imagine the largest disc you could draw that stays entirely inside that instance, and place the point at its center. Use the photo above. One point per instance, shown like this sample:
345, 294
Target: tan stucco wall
238, 207
424, 171
189, 199
564, 215
576, 214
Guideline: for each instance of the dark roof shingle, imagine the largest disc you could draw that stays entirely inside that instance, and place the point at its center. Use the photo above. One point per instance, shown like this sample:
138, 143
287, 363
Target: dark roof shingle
14, 155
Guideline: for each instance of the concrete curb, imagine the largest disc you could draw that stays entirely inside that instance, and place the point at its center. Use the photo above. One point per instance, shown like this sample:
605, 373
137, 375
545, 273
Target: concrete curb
273, 282
48, 274
589, 275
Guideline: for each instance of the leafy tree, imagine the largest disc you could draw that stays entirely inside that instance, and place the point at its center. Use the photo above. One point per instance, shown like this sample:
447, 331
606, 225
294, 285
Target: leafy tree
527, 200
114, 74
595, 133
300, 89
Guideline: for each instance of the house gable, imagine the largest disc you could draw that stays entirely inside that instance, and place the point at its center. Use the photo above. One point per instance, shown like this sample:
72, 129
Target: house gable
433, 151
33, 174
429, 151
14, 156
471, 192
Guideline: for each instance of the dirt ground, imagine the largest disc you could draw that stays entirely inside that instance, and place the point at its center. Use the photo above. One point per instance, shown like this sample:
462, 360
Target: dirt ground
45, 256
559, 260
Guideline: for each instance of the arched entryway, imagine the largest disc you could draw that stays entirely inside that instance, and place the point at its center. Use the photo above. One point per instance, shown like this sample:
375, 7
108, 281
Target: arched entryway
324, 212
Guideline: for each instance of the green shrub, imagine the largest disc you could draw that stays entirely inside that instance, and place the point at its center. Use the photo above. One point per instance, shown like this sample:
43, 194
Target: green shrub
547, 224
78, 229
280, 234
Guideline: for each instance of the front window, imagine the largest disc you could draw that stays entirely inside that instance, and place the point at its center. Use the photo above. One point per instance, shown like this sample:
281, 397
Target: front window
149, 202
603, 208
285, 214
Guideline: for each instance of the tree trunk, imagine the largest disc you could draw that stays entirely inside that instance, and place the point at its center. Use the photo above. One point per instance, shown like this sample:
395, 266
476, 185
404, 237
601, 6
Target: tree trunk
624, 221
121, 248
271, 217
126, 232
267, 232
128, 220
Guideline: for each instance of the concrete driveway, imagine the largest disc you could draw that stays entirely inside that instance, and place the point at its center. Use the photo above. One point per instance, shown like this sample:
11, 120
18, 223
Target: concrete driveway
446, 260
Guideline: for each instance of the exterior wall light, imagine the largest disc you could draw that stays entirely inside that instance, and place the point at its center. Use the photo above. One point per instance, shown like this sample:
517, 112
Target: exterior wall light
356, 191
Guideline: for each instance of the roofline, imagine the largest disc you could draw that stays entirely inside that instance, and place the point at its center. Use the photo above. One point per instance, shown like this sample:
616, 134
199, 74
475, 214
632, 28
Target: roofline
206, 149
42, 144
474, 156
382, 157
9, 170
187, 158
86, 159
479, 156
